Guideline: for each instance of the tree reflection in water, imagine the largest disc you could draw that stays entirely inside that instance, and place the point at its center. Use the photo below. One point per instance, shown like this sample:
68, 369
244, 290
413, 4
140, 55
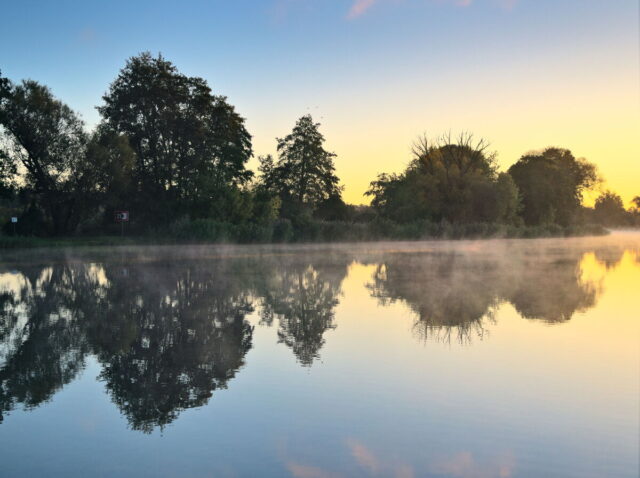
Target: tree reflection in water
167, 337
179, 334
451, 295
303, 297
168, 333
455, 295
41, 338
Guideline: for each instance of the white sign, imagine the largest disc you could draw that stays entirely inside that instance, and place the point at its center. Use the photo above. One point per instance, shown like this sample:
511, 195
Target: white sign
122, 216
14, 220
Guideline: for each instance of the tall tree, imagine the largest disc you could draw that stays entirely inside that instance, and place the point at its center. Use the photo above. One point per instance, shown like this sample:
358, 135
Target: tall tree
552, 183
304, 172
43, 141
191, 145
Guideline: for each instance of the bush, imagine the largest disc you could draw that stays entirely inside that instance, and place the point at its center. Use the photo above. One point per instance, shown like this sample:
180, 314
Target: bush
282, 231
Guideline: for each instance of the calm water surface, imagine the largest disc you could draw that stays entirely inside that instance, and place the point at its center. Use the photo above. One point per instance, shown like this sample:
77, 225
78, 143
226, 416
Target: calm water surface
434, 359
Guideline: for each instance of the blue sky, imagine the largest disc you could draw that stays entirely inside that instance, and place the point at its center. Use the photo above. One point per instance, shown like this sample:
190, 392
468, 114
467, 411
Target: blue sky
376, 73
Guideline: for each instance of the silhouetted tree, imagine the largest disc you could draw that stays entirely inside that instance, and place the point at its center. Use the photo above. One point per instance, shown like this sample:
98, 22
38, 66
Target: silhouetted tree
609, 209
304, 173
109, 177
452, 180
636, 202
191, 146
552, 183
48, 140
333, 209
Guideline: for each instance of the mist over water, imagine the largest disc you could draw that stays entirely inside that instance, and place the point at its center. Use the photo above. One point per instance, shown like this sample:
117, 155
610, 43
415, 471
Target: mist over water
441, 359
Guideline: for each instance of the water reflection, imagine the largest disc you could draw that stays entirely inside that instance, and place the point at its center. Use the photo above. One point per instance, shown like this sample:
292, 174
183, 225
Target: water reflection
454, 295
43, 344
303, 297
168, 337
169, 333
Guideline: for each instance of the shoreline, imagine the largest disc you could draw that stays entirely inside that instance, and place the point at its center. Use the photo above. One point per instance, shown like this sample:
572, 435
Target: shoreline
510, 232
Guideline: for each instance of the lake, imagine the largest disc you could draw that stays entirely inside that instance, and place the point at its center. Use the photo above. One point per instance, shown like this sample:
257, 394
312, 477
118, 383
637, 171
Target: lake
497, 358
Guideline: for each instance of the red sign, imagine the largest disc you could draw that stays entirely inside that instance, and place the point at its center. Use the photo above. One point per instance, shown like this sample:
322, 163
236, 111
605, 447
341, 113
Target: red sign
121, 216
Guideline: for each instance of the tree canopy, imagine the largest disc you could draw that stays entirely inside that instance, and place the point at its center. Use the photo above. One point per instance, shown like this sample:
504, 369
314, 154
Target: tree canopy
449, 179
609, 209
552, 183
305, 171
175, 154
43, 141
191, 146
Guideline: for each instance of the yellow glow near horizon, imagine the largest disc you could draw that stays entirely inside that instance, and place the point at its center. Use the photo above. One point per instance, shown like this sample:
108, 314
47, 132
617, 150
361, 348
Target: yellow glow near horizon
517, 109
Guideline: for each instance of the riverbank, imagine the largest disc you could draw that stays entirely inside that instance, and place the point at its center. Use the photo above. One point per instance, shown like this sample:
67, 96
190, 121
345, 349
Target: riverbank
209, 232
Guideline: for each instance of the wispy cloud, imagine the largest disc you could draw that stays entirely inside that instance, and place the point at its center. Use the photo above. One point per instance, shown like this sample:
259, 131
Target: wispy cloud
359, 7
363, 456
299, 470
464, 465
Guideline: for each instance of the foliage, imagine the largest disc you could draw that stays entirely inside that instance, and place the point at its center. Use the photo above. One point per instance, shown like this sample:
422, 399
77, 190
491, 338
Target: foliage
174, 154
43, 141
609, 209
447, 181
552, 183
191, 146
304, 173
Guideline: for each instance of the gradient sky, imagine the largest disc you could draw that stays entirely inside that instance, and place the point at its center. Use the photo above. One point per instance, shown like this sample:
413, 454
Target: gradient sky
524, 74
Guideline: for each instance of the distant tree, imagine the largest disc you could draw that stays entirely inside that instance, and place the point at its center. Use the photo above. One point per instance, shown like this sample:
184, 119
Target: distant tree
552, 183
304, 172
609, 209
452, 179
43, 141
634, 212
191, 146
333, 209
495, 201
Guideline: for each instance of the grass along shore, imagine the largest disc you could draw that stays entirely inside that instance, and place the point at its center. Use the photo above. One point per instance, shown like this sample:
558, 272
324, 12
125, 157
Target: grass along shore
213, 232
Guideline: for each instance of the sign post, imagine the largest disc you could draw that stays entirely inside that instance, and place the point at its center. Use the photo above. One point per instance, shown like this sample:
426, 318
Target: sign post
121, 217
14, 221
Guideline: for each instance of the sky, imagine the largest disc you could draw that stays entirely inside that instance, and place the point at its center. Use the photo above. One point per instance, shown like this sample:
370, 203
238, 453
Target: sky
523, 74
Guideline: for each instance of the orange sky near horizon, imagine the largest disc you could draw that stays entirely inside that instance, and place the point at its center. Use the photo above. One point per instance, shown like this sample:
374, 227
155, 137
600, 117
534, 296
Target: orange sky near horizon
597, 118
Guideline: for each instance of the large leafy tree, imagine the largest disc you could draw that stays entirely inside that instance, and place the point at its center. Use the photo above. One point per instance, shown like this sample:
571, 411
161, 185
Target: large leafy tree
452, 179
108, 175
43, 142
304, 172
552, 183
191, 145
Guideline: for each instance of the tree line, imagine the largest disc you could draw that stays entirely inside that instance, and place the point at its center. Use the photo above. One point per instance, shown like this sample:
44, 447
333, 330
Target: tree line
174, 154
